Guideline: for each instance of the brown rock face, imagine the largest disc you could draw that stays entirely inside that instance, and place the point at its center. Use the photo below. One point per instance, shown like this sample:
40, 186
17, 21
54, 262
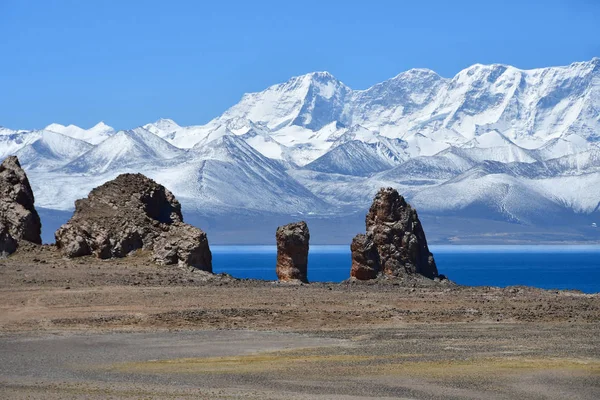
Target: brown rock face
18, 218
394, 243
365, 259
183, 243
292, 251
133, 212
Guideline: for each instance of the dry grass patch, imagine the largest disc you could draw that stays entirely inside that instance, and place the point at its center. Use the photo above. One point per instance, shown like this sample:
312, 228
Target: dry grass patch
314, 363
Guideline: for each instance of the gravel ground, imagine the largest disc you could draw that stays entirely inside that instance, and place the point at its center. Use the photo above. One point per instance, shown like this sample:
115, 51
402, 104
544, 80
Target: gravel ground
88, 328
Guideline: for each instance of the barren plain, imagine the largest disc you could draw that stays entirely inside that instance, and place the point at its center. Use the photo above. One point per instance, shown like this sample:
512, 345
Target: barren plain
126, 328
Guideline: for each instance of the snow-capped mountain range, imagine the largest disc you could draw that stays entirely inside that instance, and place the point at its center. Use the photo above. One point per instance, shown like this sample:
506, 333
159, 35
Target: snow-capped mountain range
494, 143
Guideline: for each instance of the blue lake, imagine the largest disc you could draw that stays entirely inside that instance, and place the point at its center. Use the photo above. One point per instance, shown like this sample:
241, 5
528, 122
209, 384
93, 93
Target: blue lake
548, 267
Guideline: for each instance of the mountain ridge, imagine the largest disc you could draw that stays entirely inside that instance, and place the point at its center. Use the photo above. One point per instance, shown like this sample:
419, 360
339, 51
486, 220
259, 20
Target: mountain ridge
492, 142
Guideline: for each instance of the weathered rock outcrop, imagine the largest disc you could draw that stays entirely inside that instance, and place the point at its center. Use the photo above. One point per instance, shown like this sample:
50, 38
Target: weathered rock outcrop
365, 259
133, 212
292, 252
18, 218
394, 244
183, 243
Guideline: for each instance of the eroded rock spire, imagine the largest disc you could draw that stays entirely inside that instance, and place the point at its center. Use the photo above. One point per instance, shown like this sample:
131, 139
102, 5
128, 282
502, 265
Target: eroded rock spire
394, 243
292, 252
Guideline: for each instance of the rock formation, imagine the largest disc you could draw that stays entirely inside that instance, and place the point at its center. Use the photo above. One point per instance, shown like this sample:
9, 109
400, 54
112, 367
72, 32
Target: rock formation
185, 244
133, 212
394, 243
292, 252
365, 259
18, 218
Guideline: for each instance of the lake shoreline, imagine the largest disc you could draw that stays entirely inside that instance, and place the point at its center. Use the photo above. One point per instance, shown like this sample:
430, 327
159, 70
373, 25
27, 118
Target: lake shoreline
546, 267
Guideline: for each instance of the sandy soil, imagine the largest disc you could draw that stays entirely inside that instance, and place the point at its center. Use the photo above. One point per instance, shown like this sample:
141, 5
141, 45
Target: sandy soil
130, 329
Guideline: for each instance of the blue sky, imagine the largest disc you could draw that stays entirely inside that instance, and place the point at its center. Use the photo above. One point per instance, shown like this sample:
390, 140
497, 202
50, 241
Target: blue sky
131, 62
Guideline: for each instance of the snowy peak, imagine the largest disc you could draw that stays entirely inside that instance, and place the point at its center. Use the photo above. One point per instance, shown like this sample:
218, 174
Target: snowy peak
229, 148
489, 139
163, 127
312, 101
357, 132
321, 84
6, 131
323, 102
359, 158
527, 106
262, 142
124, 149
154, 145
94, 135
10, 143
51, 150
408, 89
62, 129
101, 127
421, 145
584, 67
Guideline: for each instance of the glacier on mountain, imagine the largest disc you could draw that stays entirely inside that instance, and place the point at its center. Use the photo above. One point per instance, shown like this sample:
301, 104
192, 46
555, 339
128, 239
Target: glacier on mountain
493, 143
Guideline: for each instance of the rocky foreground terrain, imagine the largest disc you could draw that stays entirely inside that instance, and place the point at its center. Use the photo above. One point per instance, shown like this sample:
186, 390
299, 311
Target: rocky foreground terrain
129, 328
